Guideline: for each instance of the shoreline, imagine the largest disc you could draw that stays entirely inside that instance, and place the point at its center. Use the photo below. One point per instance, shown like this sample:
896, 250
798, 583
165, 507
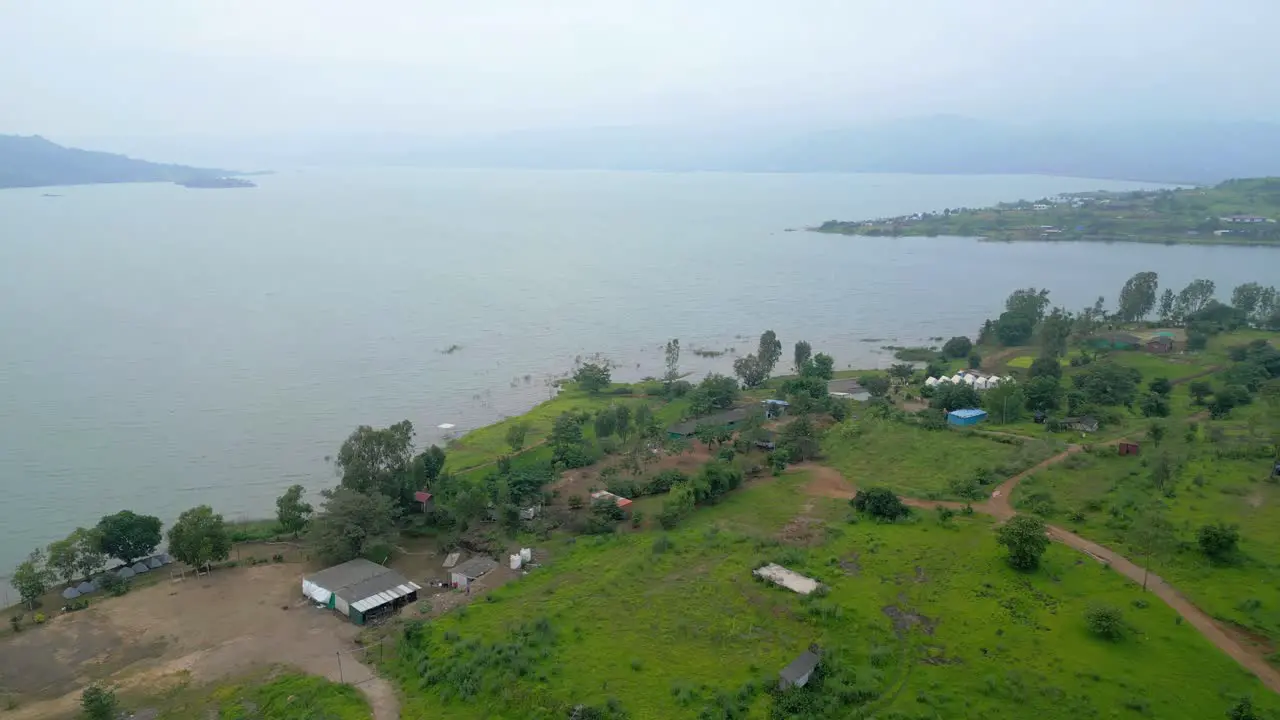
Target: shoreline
1215, 242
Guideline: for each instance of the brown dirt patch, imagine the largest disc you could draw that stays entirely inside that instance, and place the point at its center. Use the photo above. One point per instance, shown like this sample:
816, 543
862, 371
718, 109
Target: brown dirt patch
580, 481
213, 627
850, 565
803, 530
826, 482
904, 620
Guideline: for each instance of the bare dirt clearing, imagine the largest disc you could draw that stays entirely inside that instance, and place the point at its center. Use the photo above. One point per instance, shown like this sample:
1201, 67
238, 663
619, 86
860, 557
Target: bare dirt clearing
210, 628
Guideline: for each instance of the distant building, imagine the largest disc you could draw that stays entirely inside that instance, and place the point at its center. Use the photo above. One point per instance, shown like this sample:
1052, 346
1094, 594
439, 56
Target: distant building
1085, 423
847, 388
361, 590
1246, 219
606, 495
797, 674
463, 575
967, 416
1159, 344
727, 418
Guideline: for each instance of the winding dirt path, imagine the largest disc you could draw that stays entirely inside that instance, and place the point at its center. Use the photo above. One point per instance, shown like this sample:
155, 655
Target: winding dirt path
829, 482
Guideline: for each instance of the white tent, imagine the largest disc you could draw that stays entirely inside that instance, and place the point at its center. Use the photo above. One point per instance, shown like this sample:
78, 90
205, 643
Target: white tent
970, 379
957, 378
983, 384
930, 382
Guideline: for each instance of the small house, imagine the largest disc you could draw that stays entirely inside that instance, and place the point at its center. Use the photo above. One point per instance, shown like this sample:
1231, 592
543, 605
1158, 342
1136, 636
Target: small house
797, 674
966, 416
1083, 424
1159, 344
361, 590
775, 408
423, 498
726, 419
463, 575
610, 497
1128, 448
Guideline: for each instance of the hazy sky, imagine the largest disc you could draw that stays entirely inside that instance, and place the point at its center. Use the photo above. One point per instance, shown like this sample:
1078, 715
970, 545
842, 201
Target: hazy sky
245, 67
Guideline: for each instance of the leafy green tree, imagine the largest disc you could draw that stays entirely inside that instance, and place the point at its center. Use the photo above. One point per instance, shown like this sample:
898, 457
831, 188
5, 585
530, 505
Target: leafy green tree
958, 347
1054, 331
1029, 303
901, 372
803, 354
1014, 329
880, 503
1004, 403
350, 522
672, 356
645, 423
568, 445
1154, 405
516, 434
1153, 535
1200, 389
1218, 541
1107, 383
1138, 296
128, 536
1043, 394
800, 439
715, 392
1197, 340
379, 461
1246, 297
1156, 432
1166, 304
98, 702
606, 422
769, 351
593, 377
292, 512
1024, 537
822, 366
975, 361
430, 462
622, 420
1045, 367
199, 537
750, 371
1105, 621
876, 385
1193, 298
1161, 385
31, 578
88, 551
63, 560
954, 396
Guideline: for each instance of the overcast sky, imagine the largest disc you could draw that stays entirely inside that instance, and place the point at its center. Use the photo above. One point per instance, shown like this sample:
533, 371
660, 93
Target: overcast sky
79, 68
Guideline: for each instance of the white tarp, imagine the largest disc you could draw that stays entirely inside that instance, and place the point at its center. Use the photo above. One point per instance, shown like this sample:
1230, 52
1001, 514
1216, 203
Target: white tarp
788, 579
315, 592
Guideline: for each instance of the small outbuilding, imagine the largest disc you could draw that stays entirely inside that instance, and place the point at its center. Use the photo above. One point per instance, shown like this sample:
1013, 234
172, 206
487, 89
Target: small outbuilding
966, 416
847, 388
608, 496
726, 419
1128, 448
463, 575
361, 590
1159, 344
797, 674
775, 408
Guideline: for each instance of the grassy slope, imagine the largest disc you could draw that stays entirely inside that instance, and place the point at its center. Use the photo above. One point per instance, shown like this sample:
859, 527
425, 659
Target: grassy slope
634, 625
277, 695
921, 463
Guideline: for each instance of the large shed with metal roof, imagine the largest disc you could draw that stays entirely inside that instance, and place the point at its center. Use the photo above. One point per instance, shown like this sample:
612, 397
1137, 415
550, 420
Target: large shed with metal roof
361, 590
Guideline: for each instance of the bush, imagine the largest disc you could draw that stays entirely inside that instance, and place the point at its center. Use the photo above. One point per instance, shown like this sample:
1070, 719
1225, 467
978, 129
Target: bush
576, 502
40, 618
99, 703
1218, 541
958, 347
880, 503
1105, 621
113, 584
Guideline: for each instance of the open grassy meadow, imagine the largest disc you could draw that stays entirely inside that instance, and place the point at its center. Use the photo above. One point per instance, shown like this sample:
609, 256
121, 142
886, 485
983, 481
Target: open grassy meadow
922, 463
276, 695
920, 620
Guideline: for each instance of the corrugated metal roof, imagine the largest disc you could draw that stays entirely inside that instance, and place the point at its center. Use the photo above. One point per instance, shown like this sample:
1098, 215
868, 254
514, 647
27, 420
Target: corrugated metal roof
385, 596
968, 413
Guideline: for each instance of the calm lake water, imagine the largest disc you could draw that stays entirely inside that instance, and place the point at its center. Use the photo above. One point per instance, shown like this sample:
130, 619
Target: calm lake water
166, 347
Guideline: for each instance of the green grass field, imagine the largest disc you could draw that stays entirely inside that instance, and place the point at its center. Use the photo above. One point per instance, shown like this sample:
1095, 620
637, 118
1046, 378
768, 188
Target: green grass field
275, 695
1109, 490
920, 621
921, 463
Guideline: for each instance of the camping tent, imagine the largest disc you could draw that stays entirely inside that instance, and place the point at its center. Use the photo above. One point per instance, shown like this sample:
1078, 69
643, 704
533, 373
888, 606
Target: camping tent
154, 563
126, 572
140, 567
70, 593
930, 382
86, 587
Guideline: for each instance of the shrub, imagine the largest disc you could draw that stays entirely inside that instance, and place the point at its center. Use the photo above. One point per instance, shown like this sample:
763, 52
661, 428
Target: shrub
576, 502
1105, 621
637, 519
1218, 541
880, 503
40, 618
15, 623
945, 514
99, 703
113, 584
1024, 537
661, 544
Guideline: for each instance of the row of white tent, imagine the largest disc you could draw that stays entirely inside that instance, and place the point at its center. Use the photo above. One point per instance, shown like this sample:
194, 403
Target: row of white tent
979, 382
124, 571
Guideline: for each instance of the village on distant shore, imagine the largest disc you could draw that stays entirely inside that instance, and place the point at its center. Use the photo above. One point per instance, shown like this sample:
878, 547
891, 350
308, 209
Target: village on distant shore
1236, 212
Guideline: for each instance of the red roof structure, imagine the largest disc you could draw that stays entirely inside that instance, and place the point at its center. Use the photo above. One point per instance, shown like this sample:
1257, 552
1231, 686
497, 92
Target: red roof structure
604, 494
422, 496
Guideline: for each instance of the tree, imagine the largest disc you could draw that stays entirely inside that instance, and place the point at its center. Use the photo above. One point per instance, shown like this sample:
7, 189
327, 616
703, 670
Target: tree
1138, 296
430, 462
128, 536
88, 551
975, 361
769, 351
622, 420
1105, 621
1107, 383
1218, 541
606, 422
31, 578
593, 377
880, 503
1153, 535
715, 392
1154, 405
1054, 331
672, 355
1246, 298
1045, 366
822, 367
379, 460
568, 445
901, 372
516, 433
957, 347
199, 537
1161, 385
1024, 537
1200, 389
750, 371
800, 439
351, 522
1166, 304
99, 703
1156, 432
1043, 394
803, 354
1196, 340
877, 385
1193, 298
1029, 303
950, 396
63, 560
291, 511
1014, 329
1004, 403
1243, 710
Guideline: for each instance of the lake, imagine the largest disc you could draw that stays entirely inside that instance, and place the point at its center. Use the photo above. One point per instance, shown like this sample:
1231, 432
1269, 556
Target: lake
166, 347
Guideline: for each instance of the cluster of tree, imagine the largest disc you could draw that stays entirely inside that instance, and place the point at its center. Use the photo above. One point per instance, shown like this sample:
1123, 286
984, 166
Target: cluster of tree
715, 392
714, 480
880, 503
754, 369
593, 377
1254, 371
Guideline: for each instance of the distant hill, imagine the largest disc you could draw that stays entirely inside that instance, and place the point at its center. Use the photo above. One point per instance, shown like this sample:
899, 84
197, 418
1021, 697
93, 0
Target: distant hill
35, 162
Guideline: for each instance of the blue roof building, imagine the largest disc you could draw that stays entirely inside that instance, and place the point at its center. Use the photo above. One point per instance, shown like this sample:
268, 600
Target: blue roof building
967, 416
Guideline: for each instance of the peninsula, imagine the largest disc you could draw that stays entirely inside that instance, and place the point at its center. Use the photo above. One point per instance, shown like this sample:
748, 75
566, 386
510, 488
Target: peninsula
1235, 212
36, 162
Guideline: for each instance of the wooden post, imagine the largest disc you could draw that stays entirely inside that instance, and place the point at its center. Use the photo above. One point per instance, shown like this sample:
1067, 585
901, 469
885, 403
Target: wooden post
339, 654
